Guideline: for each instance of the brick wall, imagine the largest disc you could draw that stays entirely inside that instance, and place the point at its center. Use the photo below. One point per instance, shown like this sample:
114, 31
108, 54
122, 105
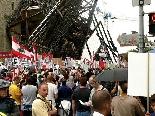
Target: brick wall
5, 12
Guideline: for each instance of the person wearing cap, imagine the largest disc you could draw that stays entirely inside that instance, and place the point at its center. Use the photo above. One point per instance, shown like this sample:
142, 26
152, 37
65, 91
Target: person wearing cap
7, 104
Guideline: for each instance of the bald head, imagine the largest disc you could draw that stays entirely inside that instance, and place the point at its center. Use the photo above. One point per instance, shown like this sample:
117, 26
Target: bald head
101, 100
39, 87
49, 78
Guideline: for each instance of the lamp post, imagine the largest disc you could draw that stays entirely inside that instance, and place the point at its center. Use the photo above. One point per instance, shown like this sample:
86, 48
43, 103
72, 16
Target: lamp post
141, 27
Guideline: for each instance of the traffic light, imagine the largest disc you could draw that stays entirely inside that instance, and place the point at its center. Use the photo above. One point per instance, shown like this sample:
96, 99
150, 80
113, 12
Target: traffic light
152, 23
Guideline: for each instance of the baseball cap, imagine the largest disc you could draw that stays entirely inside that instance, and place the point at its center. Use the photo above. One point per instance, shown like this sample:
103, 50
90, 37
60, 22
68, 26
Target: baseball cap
4, 84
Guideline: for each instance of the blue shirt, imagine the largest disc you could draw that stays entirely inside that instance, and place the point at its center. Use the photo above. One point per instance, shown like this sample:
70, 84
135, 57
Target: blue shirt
64, 92
152, 114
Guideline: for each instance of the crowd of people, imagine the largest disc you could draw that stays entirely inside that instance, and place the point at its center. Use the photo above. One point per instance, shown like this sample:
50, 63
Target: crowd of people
71, 92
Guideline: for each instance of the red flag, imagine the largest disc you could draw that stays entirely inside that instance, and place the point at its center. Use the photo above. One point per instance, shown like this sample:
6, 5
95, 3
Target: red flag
19, 50
92, 60
101, 64
35, 52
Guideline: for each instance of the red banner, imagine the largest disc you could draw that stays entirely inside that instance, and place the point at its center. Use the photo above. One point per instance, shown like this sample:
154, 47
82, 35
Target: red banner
44, 55
101, 64
6, 55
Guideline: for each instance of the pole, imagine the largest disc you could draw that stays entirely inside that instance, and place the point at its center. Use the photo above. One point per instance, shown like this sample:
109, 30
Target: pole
141, 29
148, 85
141, 40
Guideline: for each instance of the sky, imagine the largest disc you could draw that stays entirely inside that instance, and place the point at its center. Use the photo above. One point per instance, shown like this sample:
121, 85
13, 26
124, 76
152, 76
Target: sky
124, 8
126, 13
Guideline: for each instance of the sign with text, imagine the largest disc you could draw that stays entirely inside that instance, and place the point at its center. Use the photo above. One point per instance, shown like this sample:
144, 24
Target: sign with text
141, 72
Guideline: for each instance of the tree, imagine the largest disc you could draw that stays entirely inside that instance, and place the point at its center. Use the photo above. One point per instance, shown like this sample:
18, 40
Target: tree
146, 49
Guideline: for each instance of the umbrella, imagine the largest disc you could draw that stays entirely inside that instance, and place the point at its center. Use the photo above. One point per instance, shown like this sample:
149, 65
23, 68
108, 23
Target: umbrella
151, 51
119, 74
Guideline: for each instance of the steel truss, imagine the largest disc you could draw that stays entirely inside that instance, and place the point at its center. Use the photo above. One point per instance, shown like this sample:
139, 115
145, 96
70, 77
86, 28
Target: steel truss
63, 28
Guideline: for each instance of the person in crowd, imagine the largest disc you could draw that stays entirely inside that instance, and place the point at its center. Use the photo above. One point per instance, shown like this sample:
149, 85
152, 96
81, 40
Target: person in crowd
7, 104
76, 83
29, 93
152, 104
64, 91
1, 76
96, 86
52, 90
89, 74
50, 71
73, 70
22, 83
40, 79
45, 76
8, 77
116, 89
34, 79
79, 74
66, 76
70, 80
81, 94
15, 92
41, 106
101, 101
64, 94
125, 105
3, 71
55, 79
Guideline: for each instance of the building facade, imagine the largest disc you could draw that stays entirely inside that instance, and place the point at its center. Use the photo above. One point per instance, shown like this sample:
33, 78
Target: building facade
6, 9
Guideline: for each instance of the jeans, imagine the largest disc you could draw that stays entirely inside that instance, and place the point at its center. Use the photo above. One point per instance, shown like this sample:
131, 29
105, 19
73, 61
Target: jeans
86, 113
27, 113
27, 110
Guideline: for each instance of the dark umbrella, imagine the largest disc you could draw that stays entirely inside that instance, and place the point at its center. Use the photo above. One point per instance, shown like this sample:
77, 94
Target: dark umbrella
119, 74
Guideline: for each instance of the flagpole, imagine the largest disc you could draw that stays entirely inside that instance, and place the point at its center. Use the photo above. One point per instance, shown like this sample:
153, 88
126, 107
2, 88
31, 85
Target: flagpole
11, 53
13, 73
35, 56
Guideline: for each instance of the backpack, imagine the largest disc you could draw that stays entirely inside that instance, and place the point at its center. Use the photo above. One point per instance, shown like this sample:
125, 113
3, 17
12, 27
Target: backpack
40, 78
7, 105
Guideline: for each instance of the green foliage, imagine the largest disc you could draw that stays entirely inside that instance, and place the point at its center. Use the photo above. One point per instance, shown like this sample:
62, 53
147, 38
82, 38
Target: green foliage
146, 49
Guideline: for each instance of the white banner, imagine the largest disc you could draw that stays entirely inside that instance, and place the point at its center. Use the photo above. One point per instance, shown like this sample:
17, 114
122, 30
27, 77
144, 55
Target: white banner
141, 74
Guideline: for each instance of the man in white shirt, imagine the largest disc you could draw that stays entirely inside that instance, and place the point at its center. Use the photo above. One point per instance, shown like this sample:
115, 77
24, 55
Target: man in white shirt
101, 101
52, 90
96, 87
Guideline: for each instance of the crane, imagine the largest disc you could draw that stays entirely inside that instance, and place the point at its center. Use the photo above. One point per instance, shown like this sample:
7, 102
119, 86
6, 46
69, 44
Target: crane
111, 15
